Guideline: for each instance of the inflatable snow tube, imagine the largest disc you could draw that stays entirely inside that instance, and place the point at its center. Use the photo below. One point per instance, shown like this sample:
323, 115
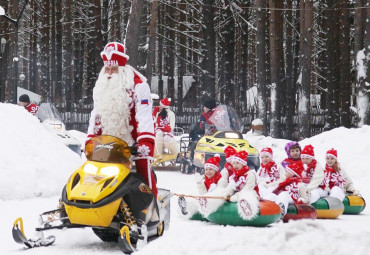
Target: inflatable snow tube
353, 204
198, 216
299, 212
227, 214
328, 208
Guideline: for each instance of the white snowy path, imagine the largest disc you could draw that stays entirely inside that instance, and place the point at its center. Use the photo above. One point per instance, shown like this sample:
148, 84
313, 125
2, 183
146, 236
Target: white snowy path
348, 234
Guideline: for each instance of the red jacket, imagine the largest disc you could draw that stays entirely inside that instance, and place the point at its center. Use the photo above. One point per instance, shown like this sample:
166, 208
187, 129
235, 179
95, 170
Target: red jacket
142, 125
32, 108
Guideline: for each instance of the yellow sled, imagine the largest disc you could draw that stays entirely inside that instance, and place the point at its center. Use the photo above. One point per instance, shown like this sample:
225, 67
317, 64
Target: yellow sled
166, 160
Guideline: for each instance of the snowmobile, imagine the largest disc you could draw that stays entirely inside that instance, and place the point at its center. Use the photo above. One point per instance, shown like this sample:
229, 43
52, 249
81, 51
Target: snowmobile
104, 195
51, 119
197, 148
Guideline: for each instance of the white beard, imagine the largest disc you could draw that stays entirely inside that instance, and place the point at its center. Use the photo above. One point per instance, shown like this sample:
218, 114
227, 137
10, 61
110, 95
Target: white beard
112, 102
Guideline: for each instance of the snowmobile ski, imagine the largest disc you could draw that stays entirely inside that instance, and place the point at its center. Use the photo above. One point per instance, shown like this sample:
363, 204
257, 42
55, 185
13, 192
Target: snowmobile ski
124, 241
130, 240
20, 237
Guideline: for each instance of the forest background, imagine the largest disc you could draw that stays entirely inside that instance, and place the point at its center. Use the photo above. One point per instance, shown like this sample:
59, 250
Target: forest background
299, 65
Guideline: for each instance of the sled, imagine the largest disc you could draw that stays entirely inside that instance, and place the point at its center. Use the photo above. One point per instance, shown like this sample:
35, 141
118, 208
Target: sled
353, 204
328, 208
299, 212
167, 160
228, 214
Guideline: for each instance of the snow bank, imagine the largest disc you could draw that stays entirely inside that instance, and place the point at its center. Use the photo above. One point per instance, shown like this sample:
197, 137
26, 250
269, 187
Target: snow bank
33, 161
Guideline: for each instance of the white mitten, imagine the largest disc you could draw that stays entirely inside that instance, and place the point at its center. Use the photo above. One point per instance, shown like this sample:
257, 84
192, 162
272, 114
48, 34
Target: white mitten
212, 187
201, 188
232, 185
228, 192
262, 184
198, 177
234, 198
356, 193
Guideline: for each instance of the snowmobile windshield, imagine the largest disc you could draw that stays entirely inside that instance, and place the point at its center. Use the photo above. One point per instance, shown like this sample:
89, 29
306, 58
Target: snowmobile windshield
107, 148
48, 111
225, 118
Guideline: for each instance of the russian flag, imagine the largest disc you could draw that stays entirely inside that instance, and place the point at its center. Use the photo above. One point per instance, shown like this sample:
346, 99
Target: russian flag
144, 101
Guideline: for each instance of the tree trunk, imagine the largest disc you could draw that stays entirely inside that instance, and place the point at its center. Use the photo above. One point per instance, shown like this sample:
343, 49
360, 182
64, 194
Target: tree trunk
208, 62
304, 127
359, 21
170, 51
261, 60
132, 39
52, 52
332, 73
67, 60
290, 56
367, 43
153, 24
362, 67
78, 57
345, 65
58, 53
228, 51
181, 59
34, 70
160, 51
276, 65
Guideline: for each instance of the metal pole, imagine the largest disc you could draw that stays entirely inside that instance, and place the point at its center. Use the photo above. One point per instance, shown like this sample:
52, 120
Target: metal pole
15, 63
1, 76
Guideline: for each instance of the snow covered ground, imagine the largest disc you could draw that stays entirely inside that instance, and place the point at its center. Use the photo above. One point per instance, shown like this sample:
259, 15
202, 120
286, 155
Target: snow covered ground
35, 166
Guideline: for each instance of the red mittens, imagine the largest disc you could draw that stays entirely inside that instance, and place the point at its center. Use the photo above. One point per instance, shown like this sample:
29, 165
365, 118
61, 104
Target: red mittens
145, 148
166, 128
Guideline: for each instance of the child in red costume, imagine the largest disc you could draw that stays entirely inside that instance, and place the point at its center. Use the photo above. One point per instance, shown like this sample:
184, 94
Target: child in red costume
242, 178
227, 171
292, 190
314, 172
164, 123
207, 184
293, 150
269, 175
334, 180
229, 152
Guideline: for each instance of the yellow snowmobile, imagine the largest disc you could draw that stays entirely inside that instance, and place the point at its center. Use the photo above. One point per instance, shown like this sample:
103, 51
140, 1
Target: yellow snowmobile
226, 131
103, 194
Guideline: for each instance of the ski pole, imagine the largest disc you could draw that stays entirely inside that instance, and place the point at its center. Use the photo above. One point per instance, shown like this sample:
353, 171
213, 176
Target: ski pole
198, 197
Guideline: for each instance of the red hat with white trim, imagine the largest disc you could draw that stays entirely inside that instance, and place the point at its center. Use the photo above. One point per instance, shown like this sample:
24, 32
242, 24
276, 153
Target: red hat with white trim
213, 162
229, 152
165, 102
114, 54
308, 152
266, 151
332, 152
240, 157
